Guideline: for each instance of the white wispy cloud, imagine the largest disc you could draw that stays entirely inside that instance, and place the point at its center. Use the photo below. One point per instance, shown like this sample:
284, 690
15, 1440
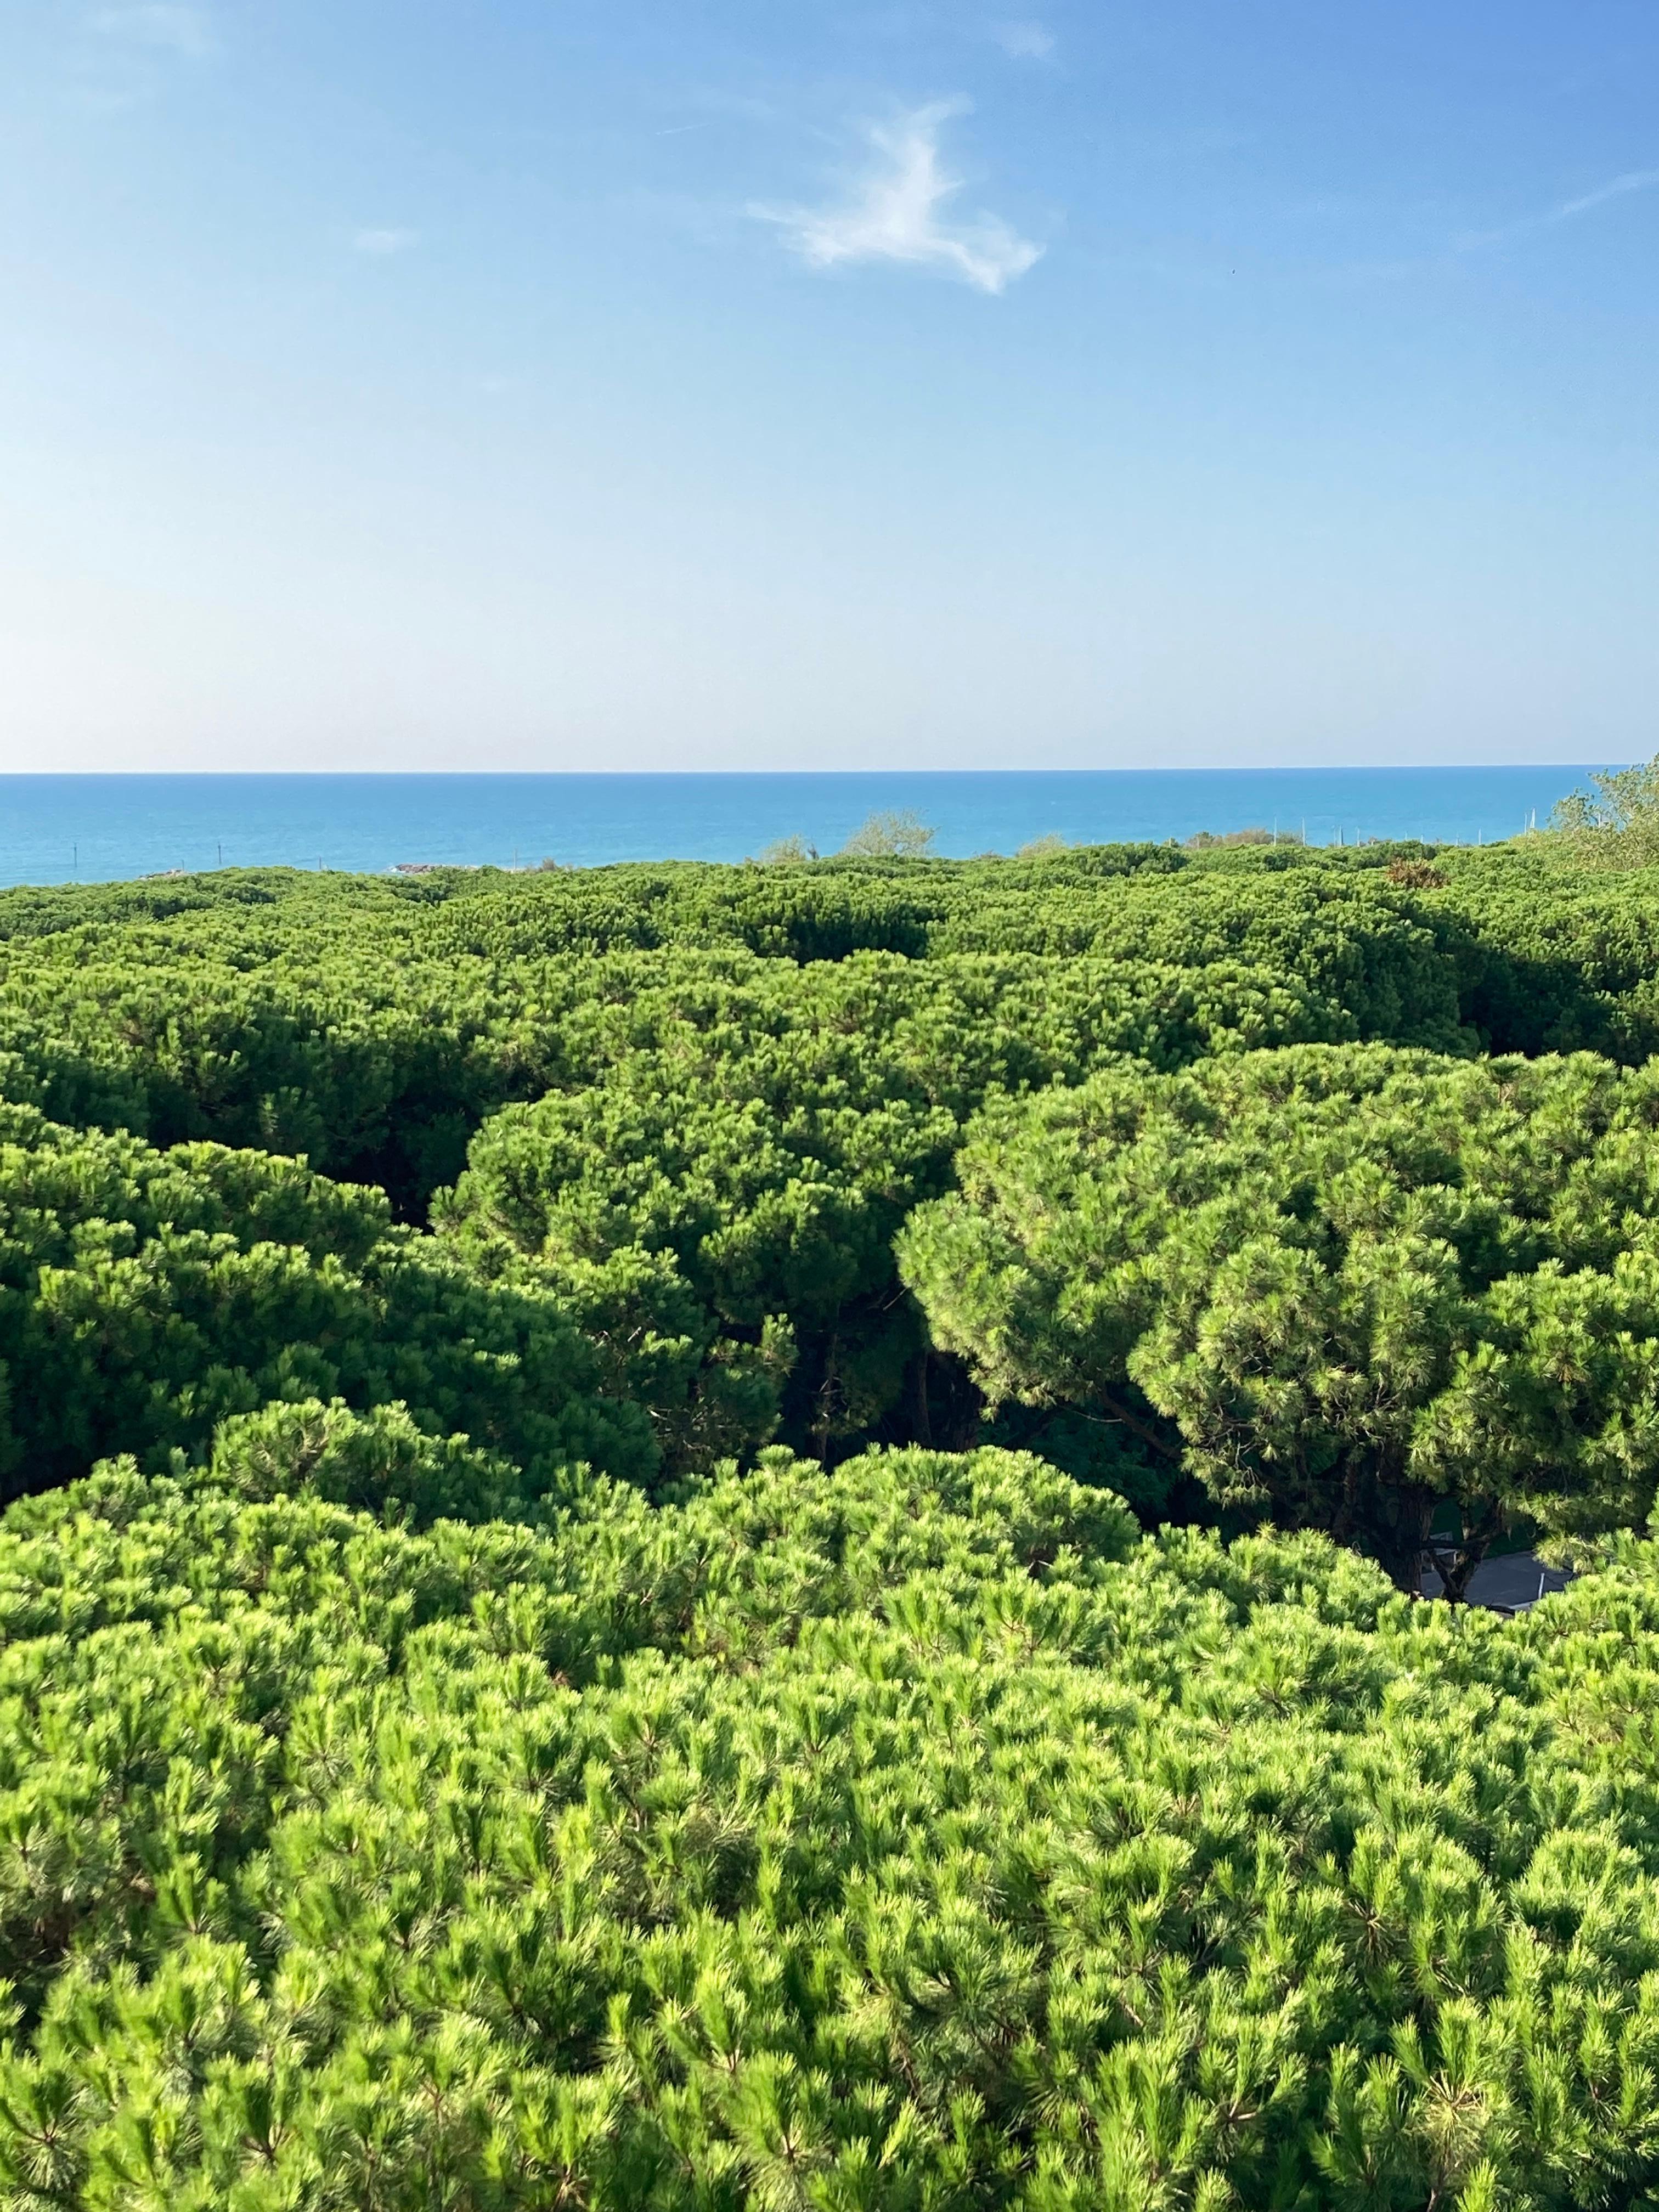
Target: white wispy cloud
1616, 188
176, 29
1633, 181
897, 212
384, 241
1024, 42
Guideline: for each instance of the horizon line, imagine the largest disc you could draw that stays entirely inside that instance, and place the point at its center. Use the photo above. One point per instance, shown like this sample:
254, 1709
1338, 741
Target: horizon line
613, 775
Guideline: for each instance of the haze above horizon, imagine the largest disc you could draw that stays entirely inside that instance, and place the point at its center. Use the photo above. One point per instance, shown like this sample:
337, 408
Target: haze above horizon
525, 388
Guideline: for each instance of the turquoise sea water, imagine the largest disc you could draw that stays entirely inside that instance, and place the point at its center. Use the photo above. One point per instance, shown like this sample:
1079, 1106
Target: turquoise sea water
59, 829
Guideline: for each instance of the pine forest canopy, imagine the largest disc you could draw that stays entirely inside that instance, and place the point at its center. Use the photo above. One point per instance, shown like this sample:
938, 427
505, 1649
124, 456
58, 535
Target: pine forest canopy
686, 1536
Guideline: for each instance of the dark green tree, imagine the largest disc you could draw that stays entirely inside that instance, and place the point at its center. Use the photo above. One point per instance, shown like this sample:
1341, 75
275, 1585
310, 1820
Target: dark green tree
1346, 1284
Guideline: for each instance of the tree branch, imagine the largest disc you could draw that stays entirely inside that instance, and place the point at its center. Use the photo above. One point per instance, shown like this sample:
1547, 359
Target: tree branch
1144, 1430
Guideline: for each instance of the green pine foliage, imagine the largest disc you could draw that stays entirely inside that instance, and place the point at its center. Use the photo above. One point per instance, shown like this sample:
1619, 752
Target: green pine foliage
914, 1835
1349, 1280
750, 1135
147, 1295
744, 1539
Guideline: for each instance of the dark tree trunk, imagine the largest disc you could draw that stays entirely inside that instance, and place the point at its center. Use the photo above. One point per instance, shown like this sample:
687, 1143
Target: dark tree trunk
1379, 1512
1456, 1562
1386, 1513
956, 1405
921, 1418
824, 1409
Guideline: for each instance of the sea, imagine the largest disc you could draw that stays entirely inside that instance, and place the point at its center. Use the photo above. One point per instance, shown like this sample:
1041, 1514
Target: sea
91, 828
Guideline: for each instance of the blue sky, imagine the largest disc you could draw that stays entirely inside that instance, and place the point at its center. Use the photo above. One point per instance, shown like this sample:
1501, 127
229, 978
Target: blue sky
583, 386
